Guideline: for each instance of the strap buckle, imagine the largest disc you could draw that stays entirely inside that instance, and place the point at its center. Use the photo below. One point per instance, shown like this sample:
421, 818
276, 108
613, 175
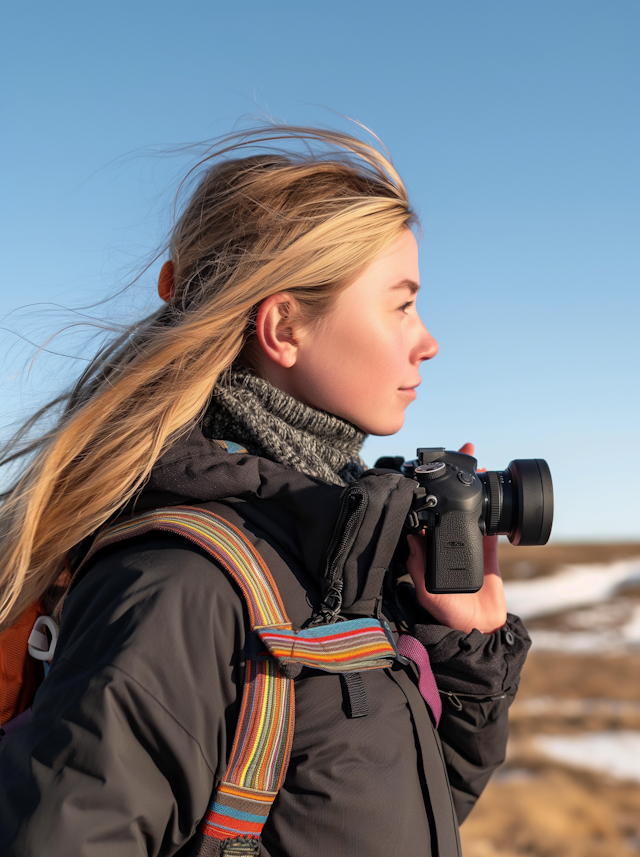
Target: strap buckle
38, 644
392, 640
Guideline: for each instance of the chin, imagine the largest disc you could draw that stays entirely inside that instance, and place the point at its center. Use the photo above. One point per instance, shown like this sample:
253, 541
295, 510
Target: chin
386, 428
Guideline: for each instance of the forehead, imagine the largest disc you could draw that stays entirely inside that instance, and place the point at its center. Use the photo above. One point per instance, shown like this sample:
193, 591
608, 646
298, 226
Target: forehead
394, 271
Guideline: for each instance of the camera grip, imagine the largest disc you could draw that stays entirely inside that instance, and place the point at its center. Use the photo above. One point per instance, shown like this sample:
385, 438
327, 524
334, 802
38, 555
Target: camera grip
454, 557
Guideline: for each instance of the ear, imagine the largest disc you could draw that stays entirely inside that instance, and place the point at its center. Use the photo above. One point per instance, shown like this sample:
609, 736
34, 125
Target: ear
275, 329
165, 281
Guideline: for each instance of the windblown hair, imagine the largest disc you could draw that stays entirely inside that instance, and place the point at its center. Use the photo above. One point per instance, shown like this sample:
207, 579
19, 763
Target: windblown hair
300, 210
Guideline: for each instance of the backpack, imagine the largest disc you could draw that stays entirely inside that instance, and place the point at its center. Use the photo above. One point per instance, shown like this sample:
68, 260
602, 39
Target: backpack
20, 676
241, 802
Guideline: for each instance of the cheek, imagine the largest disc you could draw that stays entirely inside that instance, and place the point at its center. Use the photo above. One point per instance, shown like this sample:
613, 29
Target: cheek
339, 366
353, 368
375, 351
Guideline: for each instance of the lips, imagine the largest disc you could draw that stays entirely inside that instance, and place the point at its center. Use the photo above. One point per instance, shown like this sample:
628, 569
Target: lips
410, 392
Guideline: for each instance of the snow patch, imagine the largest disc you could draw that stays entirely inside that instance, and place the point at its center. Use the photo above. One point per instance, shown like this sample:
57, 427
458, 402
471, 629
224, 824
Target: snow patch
613, 753
574, 586
582, 642
543, 706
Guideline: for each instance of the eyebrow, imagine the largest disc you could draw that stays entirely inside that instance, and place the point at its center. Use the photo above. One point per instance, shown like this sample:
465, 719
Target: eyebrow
406, 284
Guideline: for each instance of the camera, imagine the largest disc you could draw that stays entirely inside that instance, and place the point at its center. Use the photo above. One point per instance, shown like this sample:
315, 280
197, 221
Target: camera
456, 506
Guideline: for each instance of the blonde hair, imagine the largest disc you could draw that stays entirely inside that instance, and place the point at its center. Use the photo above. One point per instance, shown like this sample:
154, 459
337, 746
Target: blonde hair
305, 221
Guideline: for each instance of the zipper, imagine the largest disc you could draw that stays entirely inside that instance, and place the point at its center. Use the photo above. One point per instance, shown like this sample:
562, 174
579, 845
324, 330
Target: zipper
352, 511
454, 698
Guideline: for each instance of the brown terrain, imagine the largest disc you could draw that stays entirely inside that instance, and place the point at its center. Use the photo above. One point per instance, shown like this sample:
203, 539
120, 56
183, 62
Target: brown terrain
534, 805
524, 562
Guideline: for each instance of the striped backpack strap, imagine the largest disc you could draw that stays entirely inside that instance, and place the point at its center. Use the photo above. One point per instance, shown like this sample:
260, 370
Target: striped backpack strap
262, 743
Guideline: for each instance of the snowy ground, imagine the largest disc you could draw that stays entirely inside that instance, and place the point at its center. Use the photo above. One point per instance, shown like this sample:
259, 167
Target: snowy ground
616, 754
571, 785
596, 614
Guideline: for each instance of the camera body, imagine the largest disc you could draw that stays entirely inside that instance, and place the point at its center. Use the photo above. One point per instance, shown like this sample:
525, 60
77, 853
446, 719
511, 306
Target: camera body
456, 506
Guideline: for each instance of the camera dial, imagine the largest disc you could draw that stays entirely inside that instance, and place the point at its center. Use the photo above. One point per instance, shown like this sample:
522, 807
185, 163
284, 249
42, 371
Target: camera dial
432, 470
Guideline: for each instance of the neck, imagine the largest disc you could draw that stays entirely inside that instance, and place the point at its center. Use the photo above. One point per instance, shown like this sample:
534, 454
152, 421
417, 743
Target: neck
275, 425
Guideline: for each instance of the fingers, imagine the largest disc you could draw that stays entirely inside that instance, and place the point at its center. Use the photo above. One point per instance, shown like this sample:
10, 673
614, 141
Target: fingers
490, 555
415, 563
469, 449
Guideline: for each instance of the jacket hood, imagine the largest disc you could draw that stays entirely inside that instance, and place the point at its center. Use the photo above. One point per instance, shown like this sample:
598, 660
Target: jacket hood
346, 534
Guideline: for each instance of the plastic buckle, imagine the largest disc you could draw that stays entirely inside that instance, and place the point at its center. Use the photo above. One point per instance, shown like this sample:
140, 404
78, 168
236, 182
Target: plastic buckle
389, 635
38, 644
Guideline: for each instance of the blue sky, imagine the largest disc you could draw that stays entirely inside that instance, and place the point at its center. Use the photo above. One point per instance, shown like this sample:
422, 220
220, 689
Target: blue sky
516, 127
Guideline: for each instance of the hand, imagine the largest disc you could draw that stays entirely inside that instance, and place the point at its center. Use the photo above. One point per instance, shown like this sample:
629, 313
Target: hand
485, 610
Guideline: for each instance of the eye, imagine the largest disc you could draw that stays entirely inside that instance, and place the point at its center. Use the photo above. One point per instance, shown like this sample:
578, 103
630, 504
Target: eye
406, 306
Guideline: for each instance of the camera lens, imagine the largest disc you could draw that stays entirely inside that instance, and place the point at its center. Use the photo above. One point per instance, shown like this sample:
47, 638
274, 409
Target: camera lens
519, 501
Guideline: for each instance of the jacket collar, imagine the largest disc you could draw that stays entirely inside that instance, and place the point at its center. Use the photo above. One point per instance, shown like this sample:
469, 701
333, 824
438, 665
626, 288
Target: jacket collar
307, 516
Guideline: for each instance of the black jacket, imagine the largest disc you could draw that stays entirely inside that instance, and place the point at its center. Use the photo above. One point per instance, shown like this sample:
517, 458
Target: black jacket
134, 724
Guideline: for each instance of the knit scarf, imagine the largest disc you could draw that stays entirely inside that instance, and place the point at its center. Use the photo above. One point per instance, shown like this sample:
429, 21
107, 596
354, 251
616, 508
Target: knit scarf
267, 422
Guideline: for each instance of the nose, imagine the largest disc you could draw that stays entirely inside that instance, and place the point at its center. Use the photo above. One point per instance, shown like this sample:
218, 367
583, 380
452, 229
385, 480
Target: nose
427, 346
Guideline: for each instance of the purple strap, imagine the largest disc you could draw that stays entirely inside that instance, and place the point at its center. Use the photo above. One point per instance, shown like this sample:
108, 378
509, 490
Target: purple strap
15, 724
413, 649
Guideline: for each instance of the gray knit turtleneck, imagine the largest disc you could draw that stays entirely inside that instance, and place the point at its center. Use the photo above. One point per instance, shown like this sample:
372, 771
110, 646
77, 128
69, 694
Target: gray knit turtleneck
250, 411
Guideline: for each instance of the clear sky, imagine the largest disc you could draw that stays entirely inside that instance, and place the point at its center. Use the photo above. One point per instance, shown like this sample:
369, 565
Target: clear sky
515, 125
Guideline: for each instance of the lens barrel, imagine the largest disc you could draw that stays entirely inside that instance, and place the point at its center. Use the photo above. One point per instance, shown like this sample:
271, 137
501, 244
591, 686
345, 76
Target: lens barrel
519, 501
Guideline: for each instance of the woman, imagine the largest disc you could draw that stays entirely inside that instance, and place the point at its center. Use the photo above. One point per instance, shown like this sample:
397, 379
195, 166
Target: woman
288, 332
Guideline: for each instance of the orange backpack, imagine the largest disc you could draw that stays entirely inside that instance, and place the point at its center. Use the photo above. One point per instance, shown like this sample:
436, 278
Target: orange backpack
20, 674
